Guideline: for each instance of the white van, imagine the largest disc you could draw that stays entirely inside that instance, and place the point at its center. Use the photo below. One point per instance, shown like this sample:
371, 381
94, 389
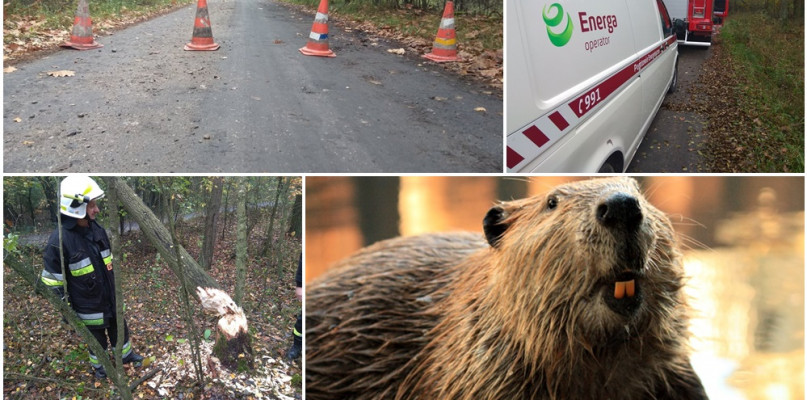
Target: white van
584, 80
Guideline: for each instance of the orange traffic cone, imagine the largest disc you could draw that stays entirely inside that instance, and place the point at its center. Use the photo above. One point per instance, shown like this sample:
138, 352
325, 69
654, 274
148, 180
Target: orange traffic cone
318, 39
202, 39
445, 44
81, 36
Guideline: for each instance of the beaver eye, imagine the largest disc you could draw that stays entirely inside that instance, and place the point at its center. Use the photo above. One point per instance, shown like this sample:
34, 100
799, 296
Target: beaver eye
552, 202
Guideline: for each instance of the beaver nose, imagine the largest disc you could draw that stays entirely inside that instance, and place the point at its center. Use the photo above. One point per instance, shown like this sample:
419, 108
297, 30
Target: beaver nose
620, 210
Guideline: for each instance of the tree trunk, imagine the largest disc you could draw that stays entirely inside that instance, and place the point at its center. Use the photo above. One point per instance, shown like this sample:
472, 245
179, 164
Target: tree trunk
211, 218
177, 260
159, 236
50, 188
114, 240
226, 209
31, 205
241, 244
270, 232
235, 339
296, 220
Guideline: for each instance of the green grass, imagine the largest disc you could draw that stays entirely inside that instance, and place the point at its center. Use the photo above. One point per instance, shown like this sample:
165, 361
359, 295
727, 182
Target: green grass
476, 32
51, 14
769, 61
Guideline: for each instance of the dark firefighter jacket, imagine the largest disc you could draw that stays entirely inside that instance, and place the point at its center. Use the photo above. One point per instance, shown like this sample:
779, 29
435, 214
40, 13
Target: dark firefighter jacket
88, 270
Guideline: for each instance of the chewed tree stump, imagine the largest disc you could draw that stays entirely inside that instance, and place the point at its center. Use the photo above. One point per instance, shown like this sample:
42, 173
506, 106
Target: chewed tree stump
233, 342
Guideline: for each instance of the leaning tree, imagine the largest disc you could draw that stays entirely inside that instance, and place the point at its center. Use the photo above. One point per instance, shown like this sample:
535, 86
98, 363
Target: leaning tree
233, 345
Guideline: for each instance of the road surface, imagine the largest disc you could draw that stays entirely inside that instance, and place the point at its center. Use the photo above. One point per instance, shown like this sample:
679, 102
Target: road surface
675, 140
141, 104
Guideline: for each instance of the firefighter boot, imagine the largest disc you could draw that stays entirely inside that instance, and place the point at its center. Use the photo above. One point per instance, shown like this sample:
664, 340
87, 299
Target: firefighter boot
296, 349
100, 372
134, 359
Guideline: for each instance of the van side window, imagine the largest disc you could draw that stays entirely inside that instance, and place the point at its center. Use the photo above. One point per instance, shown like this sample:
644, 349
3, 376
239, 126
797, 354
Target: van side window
666, 24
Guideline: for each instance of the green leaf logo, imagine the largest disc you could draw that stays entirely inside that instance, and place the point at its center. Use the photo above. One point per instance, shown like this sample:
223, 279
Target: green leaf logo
558, 39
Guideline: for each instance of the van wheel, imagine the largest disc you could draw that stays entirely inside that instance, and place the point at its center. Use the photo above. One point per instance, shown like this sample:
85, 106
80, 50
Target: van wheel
612, 165
674, 83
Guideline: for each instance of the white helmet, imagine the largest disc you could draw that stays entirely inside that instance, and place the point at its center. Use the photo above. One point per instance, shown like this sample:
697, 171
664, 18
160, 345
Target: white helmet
75, 192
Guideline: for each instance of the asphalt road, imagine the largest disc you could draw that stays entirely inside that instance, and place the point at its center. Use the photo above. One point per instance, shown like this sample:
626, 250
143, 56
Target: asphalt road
675, 139
142, 104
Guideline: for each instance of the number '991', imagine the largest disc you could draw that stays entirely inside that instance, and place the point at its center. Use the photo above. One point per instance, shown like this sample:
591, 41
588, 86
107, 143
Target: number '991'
588, 101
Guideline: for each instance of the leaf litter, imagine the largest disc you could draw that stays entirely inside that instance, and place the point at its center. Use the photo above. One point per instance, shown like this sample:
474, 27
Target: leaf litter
44, 357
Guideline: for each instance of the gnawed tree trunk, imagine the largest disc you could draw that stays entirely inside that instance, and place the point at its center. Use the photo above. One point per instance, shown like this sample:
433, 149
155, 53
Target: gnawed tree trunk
233, 342
159, 236
233, 339
211, 218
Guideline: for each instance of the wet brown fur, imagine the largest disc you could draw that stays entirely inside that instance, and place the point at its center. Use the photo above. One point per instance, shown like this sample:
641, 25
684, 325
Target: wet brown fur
447, 316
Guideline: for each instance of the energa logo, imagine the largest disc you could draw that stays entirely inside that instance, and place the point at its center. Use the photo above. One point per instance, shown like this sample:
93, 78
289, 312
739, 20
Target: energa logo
553, 23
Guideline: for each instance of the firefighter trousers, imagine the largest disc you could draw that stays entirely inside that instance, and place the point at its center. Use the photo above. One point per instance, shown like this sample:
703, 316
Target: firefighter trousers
109, 335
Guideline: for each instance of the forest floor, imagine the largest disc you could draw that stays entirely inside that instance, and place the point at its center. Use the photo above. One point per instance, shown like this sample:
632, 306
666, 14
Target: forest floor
44, 358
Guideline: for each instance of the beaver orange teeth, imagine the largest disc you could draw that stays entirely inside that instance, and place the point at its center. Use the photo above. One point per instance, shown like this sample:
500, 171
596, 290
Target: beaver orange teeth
623, 288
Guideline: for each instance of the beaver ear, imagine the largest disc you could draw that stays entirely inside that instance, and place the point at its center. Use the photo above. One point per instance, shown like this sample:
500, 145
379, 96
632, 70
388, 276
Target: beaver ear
494, 225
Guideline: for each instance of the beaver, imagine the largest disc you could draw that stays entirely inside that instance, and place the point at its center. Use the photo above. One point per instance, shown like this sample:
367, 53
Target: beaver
575, 294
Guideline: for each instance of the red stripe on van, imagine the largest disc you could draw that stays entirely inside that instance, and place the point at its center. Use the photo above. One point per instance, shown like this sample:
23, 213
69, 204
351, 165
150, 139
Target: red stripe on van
535, 134
513, 158
558, 120
599, 93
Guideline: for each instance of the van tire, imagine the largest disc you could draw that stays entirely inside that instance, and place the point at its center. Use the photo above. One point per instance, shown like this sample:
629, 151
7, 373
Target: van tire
612, 165
674, 83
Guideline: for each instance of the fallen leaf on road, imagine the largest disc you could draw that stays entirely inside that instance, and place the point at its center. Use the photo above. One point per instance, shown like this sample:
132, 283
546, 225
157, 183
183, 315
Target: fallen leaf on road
27, 143
278, 41
18, 119
480, 109
490, 73
9, 69
399, 52
438, 98
62, 73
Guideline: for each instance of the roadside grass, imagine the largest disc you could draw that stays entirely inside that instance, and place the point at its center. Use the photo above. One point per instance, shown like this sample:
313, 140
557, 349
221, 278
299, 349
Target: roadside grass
475, 32
35, 25
768, 56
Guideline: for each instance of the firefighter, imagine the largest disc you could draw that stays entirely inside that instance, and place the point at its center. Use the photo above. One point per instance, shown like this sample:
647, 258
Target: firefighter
87, 267
296, 348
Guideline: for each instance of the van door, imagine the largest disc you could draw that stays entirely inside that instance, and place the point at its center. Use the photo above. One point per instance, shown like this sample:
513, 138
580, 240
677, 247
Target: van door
573, 96
657, 44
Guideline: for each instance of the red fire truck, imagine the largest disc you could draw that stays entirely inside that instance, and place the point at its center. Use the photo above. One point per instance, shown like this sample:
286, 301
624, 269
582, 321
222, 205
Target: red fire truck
721, 11
692, 19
